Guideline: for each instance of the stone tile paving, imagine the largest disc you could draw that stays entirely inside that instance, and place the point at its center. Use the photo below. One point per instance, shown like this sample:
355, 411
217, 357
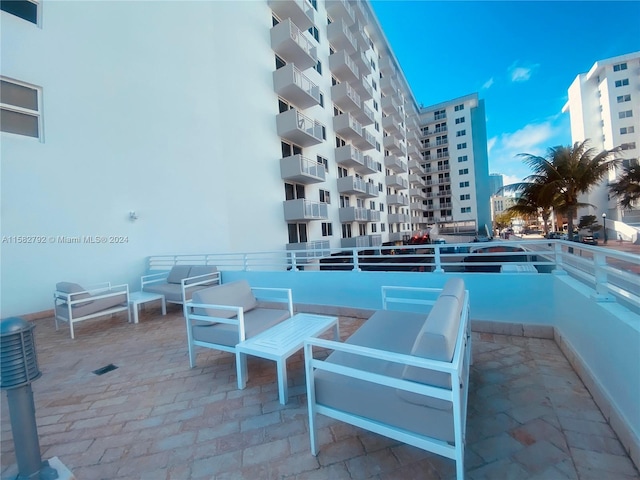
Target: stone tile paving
530, 416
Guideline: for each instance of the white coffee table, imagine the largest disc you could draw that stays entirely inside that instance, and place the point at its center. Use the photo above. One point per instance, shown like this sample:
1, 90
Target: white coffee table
138, 298
280, 342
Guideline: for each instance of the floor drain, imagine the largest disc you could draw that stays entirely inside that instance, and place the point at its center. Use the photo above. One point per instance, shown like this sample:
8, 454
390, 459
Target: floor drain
103, 370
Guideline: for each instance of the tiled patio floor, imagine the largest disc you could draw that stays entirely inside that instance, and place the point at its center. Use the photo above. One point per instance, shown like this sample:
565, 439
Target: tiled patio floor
155, 418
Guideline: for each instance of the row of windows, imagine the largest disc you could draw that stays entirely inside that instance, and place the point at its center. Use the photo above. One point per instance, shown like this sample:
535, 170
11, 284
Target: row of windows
620, 66
625, 130
624, 98
20, 108
622, 83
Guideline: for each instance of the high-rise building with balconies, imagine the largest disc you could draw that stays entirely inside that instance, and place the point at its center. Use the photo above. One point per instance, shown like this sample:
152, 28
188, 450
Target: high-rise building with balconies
604, 106
225, 126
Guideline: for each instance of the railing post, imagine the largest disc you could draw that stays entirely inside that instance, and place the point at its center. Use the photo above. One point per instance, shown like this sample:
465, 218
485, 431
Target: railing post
600, 274
294, 266
557, 257
354, 255
245, 262
438, 264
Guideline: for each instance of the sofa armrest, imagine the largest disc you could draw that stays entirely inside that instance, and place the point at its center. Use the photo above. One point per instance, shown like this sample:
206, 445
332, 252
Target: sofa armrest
150, 278
208, 279
280, 295
191, 308
414, 296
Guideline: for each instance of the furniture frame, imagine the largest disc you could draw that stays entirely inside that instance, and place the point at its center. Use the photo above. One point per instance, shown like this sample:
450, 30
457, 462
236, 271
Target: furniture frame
186, 284
282, 295
138, 298
280, 342
97, 292
457, 370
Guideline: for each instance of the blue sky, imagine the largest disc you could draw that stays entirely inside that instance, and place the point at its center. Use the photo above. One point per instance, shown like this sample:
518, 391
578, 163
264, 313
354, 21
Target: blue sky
519, 56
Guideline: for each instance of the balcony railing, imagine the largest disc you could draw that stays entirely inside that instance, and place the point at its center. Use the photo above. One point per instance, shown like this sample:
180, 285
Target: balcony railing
299, 129
364, 88
395, 164
390, 105
345, 97
297, 168
372, 190
343, 67
395, 181
349, 156
290, 43
428, 133
417, 180
352, 185
369, 166
348, 127
363, 63
340, 36
303, 209
301, 12
365, 115
341, 9
293, 85
388, 85
367, 142
358, 32
395, 199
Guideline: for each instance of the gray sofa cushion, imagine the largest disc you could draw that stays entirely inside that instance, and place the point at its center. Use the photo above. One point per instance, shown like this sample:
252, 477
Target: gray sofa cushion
69, 287
255, 321
233, 294
197, 270
178, 273
436, 341
89, 308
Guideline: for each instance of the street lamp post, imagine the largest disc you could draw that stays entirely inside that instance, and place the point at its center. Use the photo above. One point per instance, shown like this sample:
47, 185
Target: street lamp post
604, 226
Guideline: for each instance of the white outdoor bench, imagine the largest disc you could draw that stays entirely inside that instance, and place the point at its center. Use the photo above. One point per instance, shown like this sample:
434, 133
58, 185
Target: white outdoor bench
402, 374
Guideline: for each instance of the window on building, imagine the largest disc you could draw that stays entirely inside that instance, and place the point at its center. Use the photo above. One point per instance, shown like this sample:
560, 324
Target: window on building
459, 120
619, 67
293, 191
462, 145
439, 114
323, 161
622, 83
315, 33
466, 196
279, 62
274, 19
625, 114
375, 86
464, 184
24, 9
324, 196
457, 108
625, 130
321, 96
376, 126
297, 232
375, 105
318, 67
344, 201
465, 210
374, 228
463, 158
382, 227
342, 172
623, 98
340, 142
19, 108
289, 149
327, 229
346, 230
362, 229
460, 133
463, 171
628, 146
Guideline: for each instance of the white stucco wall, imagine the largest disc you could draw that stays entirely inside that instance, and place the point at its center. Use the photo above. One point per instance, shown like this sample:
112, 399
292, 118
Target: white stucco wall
173, 117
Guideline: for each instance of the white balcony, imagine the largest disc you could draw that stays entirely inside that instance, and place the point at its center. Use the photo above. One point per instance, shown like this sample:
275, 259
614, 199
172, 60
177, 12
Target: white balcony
352, 214
387, 67
363, 63
418, 192
345, 97
293, 85
373, 215
417, 180
397, 182
390, 105
343, 67
340, 36
349, 156
395, 164
365, 115
296, 127
371, 190
388, 85
392, 144
302, 209
390, 124
358, 32
301, 12
355, 242
290, 43
419, 206
369, 166
366, 142
352, 185
364, 88
297, 168
399, 200
348, 127
341, 9
398, 218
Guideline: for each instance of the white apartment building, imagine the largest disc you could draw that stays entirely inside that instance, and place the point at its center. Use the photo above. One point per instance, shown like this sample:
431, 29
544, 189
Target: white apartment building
132, 129
604, 107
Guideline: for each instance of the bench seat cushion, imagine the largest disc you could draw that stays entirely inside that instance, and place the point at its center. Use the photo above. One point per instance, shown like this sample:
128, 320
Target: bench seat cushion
178, 273
255, 322
95, 306
232, 294
172, 291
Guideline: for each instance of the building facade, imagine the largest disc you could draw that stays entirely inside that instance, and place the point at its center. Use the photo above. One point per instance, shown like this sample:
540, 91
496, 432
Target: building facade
218, 127
496, 182
604, 107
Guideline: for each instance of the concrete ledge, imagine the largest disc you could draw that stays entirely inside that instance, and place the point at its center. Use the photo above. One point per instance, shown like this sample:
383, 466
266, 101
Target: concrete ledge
513, 329
336, 310
630, 442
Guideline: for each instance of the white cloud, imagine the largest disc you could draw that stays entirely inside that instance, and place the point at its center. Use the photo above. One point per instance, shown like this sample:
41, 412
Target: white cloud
521, 73
534, 139
486, 85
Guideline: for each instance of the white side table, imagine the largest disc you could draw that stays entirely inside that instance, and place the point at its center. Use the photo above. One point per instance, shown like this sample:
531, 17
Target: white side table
138, 298
280, 342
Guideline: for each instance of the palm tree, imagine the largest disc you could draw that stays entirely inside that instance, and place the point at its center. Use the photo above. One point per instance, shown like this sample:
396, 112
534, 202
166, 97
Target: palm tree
534, 200
567, 172
627, 187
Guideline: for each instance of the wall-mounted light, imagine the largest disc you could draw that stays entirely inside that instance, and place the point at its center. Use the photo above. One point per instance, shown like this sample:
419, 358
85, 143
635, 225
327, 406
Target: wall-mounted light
133, 216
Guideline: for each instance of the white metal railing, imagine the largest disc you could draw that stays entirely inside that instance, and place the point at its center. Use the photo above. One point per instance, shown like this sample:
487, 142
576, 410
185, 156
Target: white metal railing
302, 81
308, 125
305, 44
311, 167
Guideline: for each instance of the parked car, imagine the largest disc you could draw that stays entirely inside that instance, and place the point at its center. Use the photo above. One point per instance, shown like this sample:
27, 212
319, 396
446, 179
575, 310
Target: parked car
556, 236
497, 260
589, 240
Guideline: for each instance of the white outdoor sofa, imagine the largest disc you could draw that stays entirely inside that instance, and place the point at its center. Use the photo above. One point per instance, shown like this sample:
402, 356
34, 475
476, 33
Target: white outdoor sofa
179, 283
402, 374
223, 316
73, 303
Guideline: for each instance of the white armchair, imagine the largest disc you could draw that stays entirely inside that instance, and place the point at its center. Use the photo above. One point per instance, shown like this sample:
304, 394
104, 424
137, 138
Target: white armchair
73, 303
